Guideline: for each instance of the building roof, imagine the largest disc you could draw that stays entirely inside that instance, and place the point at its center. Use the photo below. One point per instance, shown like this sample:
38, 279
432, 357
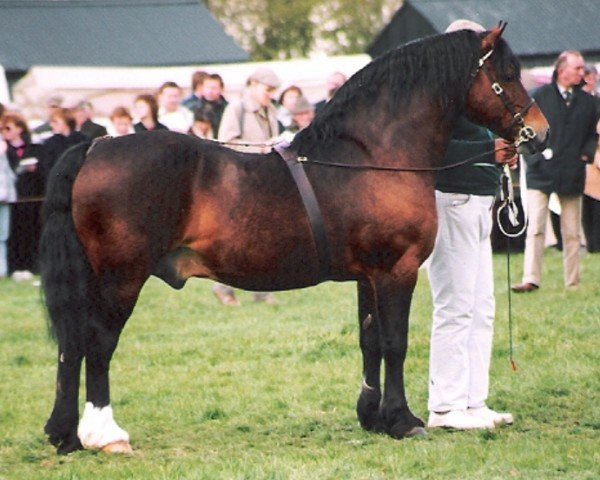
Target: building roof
538, 30
111, 33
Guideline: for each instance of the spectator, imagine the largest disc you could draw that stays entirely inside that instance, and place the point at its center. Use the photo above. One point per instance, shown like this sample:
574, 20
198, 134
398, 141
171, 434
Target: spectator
194, 100
253, 119
170, 113
146, 110
8, 194
121, 121
572, 116
461, 278
83, 112
286, 101
43, 132
63, 127
24, 158
334, 83
203, 123
211, 95
590, 209
302, 113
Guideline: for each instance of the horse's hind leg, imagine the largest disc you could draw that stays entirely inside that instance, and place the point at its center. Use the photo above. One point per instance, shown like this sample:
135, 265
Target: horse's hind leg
97, 428
61, 427
367, 407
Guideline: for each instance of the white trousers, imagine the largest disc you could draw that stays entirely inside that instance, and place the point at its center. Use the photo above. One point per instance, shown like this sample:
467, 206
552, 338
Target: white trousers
462, 287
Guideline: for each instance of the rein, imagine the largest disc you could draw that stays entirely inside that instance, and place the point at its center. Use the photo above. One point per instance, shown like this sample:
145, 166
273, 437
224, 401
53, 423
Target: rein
275, 147
399, 169
37, 199
508, 204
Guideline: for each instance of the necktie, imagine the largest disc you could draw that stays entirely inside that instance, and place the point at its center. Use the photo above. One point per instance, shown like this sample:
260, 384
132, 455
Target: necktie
568, 96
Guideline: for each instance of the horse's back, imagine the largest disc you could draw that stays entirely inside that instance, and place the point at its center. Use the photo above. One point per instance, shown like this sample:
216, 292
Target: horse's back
184, 207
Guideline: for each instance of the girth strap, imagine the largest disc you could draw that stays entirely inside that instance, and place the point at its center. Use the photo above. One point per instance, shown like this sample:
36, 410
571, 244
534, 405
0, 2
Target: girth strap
311, 206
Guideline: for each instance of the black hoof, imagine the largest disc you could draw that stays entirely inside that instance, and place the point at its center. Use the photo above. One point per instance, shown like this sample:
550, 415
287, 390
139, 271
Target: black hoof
65, 441
367, 409
69, 445
414, 428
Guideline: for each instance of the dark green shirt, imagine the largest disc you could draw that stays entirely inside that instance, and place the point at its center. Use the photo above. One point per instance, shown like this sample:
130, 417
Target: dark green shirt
482, 176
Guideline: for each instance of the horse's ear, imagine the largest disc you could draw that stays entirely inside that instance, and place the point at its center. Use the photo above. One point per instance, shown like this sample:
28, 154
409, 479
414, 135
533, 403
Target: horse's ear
489, 41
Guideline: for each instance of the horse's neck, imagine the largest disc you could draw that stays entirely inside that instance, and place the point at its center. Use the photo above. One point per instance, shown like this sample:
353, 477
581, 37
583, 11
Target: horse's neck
416, 136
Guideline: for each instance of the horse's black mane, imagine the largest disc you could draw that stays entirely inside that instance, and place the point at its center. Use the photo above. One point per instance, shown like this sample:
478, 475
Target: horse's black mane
441, 66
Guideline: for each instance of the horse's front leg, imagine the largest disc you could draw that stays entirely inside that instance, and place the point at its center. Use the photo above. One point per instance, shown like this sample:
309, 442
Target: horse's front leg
367, 407
394, 295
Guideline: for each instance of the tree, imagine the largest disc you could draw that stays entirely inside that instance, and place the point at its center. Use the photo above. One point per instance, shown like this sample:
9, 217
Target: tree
267, 29
278, 29
348, 26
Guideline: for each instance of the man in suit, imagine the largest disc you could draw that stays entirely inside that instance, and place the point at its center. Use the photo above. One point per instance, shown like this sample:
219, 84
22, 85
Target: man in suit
83, 112
572, 116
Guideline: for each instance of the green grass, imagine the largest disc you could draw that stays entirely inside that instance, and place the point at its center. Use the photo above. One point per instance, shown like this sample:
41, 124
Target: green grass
269, 392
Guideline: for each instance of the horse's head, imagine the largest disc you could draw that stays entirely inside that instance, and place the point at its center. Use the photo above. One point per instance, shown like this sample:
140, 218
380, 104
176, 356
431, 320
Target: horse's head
498, 99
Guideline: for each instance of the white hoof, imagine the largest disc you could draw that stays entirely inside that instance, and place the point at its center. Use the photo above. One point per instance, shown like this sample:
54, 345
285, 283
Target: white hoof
117, 447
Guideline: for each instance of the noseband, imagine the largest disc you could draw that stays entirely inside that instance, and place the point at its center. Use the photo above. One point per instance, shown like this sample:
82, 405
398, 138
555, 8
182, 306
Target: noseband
526, 133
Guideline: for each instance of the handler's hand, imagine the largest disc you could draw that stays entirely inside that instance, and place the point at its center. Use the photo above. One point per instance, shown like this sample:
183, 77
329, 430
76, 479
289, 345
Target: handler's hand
508, 154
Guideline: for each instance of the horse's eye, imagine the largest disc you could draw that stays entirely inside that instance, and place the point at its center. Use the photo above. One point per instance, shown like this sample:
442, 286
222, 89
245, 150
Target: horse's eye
510, 76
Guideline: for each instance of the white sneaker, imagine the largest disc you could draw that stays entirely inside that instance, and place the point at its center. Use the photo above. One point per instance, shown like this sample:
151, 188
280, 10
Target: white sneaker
485, 413
458, 420
22, 275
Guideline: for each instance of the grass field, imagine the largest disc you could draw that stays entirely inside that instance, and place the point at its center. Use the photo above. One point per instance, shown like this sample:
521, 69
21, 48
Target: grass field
265, 392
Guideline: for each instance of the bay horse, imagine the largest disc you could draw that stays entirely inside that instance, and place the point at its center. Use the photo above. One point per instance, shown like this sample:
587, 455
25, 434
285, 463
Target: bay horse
176, 207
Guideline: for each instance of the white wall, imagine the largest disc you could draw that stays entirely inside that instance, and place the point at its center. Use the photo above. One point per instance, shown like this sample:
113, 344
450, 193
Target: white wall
4, 92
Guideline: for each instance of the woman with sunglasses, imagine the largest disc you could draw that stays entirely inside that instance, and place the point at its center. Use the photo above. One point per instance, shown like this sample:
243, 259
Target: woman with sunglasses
23, 157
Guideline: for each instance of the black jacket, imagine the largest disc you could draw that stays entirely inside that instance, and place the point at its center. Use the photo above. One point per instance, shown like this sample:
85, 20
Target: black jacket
54, 147
92, 130
572, 135
29, 184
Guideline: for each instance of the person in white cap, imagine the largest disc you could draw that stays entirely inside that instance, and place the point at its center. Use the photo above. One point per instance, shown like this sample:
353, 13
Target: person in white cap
250, 125
253, 119
461, 279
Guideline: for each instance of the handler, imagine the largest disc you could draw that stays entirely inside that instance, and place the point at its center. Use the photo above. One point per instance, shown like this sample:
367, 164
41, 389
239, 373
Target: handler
461, 278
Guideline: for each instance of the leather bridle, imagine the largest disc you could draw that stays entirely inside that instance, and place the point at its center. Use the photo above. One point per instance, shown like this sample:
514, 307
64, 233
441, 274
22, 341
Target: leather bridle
526, 133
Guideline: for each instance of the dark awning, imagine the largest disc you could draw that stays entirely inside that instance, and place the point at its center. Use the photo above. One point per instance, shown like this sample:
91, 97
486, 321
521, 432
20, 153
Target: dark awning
538, 30
111, 33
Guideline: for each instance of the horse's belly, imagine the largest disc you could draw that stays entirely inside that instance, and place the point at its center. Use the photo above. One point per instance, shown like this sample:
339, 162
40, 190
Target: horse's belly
251, 267
272, 268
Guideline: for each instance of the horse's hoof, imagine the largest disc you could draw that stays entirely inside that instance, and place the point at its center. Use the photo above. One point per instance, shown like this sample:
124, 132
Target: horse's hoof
418, 432
400, 430
64, 447
117, 447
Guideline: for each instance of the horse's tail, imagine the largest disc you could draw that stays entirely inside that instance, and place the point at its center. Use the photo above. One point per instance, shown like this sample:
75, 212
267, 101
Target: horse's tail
67, 277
